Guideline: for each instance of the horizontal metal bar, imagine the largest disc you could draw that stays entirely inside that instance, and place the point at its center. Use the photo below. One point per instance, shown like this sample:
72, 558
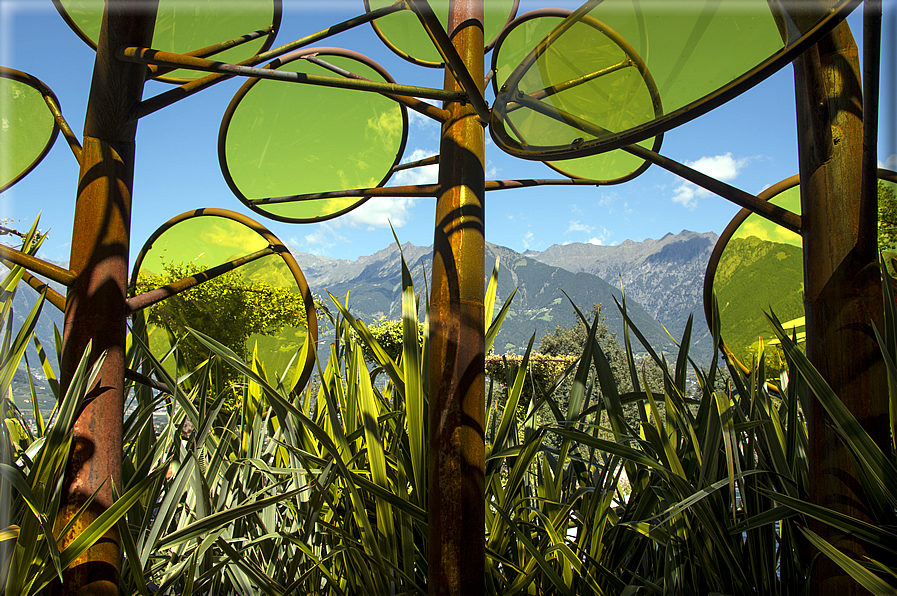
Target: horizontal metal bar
52, 272
149, 56
438, 114
422, 107
330, 31
526, 183
159, 294
428, 190
433, 160
153, 104
211, 50
582, 80
53, 297
773, 213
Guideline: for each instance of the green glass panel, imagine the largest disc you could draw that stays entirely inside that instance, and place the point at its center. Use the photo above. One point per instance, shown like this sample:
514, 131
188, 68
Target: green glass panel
186, 26
761, 269
285, 139
404, 31
689, 52
256, 306
26, 128
514, 47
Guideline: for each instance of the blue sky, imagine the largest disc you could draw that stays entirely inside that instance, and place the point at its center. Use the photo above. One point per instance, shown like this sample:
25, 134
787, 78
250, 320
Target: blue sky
750, 142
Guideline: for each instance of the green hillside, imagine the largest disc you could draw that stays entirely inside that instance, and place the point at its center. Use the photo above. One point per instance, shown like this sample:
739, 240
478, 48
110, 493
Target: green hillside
754, 276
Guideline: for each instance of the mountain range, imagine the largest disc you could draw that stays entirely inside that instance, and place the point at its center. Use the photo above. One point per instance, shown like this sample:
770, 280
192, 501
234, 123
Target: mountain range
663, 282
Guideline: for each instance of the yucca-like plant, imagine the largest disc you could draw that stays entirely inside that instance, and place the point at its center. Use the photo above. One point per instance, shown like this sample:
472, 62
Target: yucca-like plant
326, 492
323, 491
876, 469
33, 460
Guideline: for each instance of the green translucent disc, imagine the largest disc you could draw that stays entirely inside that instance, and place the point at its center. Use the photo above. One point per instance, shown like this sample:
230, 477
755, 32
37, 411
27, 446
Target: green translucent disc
696, 54
186, 26
517, 41
258, 307
27, 127
281, 139
760, 269
403, 33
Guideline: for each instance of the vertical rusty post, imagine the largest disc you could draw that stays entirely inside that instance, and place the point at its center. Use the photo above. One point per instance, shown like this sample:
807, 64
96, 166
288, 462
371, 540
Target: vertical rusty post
457, 343
95, 304
842, 292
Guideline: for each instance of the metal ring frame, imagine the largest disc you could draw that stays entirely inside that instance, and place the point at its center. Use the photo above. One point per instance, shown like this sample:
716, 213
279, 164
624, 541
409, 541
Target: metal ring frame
500, 108
649, 81
723, 240
247, 86
426, 63
278, 247
40, 87
266, 45
680, 116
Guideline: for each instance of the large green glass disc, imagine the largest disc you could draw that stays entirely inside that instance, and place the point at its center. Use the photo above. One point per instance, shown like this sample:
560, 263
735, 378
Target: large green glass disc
760, 269
513, 45
186, 26
282, 139
403, 33
262, 307
697, 54
757, 267
27, 127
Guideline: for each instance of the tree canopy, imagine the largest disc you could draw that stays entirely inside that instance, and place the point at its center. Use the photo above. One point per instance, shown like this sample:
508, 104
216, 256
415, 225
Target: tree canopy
887, 217
228, 308
389, 334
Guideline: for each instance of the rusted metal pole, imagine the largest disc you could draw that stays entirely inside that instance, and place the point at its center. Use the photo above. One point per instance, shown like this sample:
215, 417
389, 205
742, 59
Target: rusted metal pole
842, 292
95, 304
457, 329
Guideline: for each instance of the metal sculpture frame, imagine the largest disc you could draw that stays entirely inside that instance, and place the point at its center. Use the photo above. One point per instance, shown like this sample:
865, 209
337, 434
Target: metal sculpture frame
97, 303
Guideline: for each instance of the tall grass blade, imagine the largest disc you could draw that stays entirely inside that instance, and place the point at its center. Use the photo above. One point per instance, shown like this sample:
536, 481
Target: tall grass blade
874, 463
860, 574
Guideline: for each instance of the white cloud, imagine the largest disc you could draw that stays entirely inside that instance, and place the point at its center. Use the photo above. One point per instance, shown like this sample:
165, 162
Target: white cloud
722, 167
421, 175
685, 195
323, 237
527, 240
415, 176
601, 238
607, 198
423, 124
378, 212
890, 162
575, 226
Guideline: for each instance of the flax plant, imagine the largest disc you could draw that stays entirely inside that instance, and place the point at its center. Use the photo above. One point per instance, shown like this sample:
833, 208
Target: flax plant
325, 490
33, 459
